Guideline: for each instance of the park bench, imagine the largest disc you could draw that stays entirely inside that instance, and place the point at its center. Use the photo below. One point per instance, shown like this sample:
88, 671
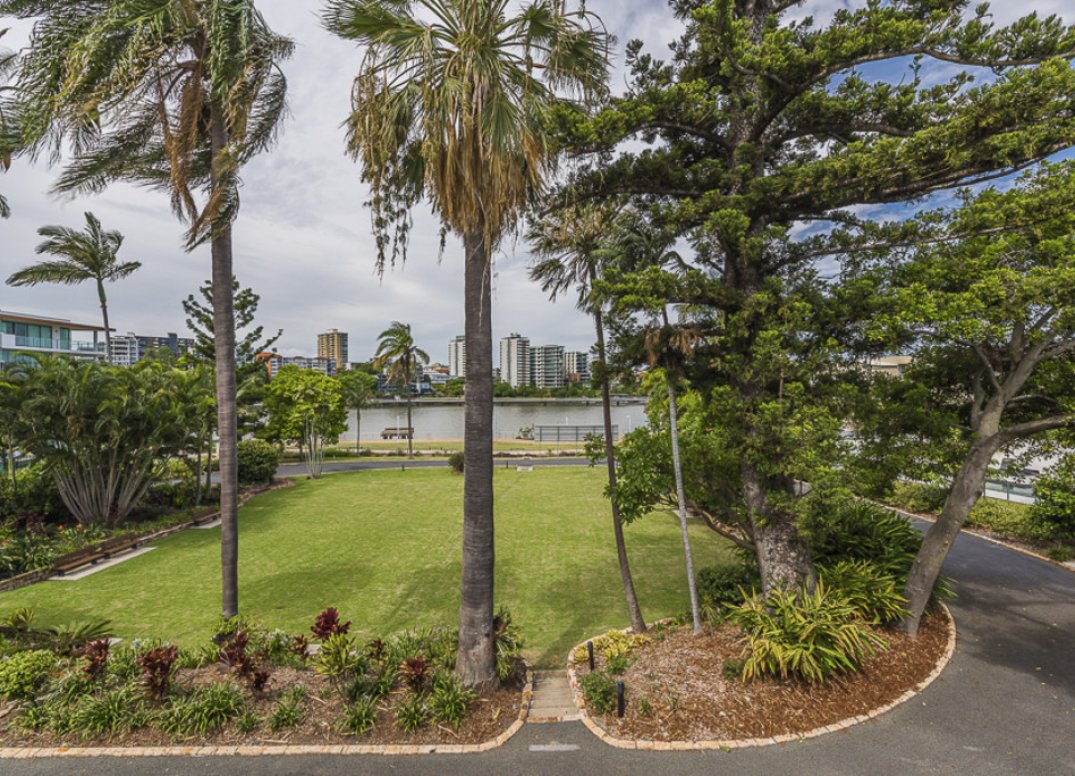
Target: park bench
398, 433
91, 555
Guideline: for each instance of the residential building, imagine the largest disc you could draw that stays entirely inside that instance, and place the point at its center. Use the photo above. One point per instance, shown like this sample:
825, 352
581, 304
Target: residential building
457, 356
893, 366
577, 367
274, 362
547, 366
515, 360
333, 345
130, 348
27, 333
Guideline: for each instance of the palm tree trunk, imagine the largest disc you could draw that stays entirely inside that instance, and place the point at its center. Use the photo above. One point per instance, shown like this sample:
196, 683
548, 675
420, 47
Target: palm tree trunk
224, 342
358, 430
410, 435
681, 495
104, 315
634, 611
476, 661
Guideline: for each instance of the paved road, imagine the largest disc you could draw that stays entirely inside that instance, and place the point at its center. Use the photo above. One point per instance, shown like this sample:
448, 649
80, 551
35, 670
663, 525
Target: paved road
1005, 705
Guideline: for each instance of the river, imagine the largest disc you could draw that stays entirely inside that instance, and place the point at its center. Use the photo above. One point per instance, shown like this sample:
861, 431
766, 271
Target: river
442, 420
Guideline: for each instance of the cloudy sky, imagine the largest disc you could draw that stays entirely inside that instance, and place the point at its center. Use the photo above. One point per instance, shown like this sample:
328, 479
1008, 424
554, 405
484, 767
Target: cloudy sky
303, 240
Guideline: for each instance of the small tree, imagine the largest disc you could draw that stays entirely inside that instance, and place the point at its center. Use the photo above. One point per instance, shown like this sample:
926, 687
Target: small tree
1054, 498
103, 432
305, 408
358, 389
985, 301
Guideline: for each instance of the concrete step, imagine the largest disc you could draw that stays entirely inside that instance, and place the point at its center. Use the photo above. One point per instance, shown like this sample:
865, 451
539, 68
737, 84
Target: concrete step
553, 700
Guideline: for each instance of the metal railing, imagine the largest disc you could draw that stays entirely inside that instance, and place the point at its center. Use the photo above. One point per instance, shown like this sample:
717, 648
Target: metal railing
571, 433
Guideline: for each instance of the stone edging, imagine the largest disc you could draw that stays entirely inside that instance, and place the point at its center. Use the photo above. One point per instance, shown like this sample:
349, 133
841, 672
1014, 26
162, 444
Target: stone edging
276, 750
984, 537
744, 743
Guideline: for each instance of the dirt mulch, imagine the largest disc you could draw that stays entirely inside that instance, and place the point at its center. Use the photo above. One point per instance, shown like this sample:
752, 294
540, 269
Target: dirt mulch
323, 709
680, 678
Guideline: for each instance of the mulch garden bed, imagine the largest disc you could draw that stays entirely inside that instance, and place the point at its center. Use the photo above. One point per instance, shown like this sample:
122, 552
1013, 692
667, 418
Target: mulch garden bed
676, 690
489, 716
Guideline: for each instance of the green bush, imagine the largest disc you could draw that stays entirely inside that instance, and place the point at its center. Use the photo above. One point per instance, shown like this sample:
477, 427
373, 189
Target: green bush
1007, 518
801, 634
359, 716
455, 461
599, 689
290, 710
869, 590
117, 711
205, 710
258, 461
509, 644
35, 493
722, 586
732, 668
916, 497
449, 700
1061, 553
21, 552
24, 674
338, 659
1054, 495
411, 714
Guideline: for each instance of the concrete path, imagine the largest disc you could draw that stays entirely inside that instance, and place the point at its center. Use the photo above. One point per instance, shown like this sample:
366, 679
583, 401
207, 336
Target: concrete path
553, 700
1005, 705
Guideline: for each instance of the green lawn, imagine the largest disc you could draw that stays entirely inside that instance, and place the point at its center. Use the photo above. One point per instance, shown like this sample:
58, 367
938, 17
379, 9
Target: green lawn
384, 548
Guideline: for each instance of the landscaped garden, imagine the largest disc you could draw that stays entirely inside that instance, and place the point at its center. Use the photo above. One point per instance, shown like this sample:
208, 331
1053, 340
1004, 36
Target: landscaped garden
384, 548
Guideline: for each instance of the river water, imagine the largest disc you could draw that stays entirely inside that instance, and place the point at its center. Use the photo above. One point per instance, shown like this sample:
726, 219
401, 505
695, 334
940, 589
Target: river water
440, 421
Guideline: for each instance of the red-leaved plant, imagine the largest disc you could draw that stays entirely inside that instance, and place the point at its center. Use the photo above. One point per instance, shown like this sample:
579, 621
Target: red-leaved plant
156, 668
96, 652
415, 671
328, 624
300, 647
251, 667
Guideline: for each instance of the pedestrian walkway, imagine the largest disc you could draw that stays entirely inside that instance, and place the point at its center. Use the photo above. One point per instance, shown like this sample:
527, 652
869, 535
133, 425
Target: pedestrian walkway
553, 700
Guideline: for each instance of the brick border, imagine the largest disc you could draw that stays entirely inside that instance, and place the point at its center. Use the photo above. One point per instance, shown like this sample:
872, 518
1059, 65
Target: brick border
745, 743
31, 753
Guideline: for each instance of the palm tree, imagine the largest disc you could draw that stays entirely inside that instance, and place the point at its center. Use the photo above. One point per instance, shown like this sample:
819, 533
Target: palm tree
7, 129
572, 246
172, 94
358, 389
397, 353
85, 255
452, 104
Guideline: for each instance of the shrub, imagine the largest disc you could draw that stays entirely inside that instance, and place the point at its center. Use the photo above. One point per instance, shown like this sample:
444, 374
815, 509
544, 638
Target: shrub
455, 461
918, 497
328, 624
35, 494
411, 714
116, 711
871, 592
289, 711
96, 654
850, 530
205, 710
24, 674
509, 644
248, 722
449, 700
21, 552
337, 658
1061, 553
415, 672
1054, 495
66, 638
802, 634
257, 460
359, 716
1008, 518
617, 665
612, 645
732, 668
157, 665
722, 586
599, 689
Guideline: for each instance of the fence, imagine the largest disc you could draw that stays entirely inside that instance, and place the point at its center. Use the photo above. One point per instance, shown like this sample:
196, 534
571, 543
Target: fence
571, 433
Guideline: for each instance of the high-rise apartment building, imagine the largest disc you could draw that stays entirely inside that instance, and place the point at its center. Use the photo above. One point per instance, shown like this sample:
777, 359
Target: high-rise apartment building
332, 345
547, 366
515, 360
457, 356
577, 366
130, 348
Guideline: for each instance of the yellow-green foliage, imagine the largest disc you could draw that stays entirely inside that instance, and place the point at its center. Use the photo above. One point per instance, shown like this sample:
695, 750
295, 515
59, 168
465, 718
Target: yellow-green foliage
612, 645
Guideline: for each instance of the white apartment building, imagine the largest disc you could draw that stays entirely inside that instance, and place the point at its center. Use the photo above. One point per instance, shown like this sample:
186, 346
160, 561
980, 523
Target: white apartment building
457, 356
577, 366
547, 366
515, 360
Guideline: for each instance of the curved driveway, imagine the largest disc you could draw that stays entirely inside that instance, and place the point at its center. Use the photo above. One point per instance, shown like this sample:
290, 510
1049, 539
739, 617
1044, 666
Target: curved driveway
1005, 705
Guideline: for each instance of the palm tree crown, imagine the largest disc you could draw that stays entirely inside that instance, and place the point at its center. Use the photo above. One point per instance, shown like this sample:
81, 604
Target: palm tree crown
397, 352
452, 108
87, 255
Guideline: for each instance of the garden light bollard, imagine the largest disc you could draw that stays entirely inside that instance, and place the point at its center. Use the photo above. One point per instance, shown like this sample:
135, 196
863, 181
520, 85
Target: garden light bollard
620, 702
589, 652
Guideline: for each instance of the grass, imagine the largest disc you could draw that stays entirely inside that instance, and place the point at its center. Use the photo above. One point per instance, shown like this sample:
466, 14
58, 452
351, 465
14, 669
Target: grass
384, 548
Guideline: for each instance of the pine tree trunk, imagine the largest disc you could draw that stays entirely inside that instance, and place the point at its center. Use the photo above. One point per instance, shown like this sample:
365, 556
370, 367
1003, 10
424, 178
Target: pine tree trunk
682, 497
476, 661
634, 611
783, 557
227, 424
964, 494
